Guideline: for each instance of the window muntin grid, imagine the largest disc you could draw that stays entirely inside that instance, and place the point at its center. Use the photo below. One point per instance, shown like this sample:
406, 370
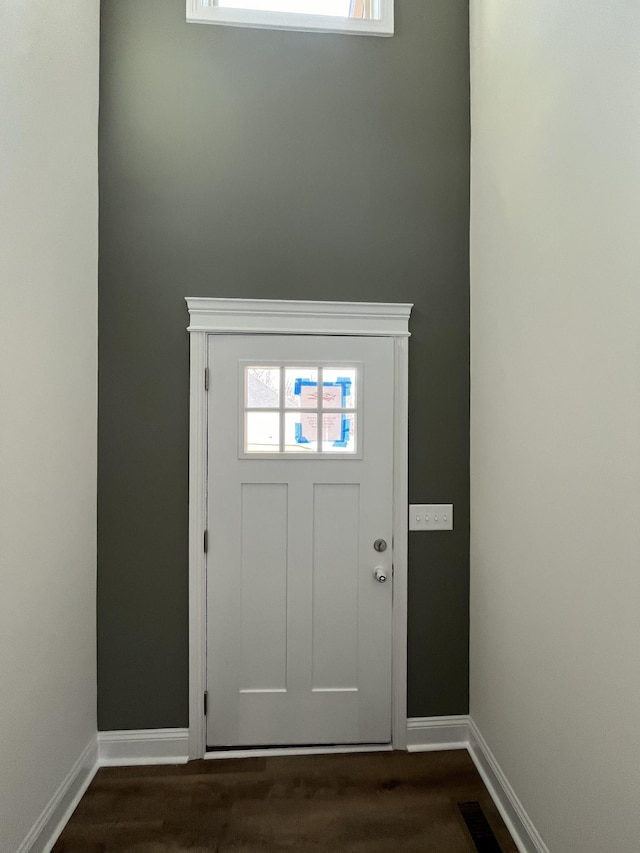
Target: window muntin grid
301, 410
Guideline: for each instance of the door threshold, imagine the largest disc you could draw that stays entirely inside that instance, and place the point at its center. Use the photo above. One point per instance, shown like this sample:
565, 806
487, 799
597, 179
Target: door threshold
280, 751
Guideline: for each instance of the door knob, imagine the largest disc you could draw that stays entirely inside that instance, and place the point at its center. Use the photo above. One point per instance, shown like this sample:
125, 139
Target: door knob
380, 574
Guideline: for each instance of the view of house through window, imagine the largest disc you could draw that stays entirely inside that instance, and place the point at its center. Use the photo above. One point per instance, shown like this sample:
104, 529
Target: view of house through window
365, 9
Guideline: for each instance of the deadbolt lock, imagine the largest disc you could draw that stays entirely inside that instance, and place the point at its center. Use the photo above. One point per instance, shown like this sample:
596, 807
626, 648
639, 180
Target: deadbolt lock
380, 545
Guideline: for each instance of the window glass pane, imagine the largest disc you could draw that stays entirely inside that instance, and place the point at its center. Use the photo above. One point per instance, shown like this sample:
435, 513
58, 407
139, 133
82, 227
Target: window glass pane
301, 387
341, 379
344, 380
339, 433
262, 387
332, 395
341, 8
300, 432
262, 432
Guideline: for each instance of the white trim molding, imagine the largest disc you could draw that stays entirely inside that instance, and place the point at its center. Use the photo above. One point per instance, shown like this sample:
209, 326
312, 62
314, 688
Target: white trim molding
526, 837
426, 734
208, 12
297, 317
197, 557
209, 316
143, 746
46, 830
134, 747
170, 746
400, 539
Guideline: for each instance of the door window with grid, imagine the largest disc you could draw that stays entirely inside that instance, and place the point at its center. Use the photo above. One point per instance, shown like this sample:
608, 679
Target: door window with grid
309, 410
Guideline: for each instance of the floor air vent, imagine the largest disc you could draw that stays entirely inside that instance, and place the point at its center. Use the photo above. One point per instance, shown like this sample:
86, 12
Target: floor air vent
479, 828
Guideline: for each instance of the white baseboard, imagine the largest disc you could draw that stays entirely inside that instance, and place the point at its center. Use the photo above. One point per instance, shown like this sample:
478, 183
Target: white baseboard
519, 824
425, 734
45, 831
170, 746
143, 746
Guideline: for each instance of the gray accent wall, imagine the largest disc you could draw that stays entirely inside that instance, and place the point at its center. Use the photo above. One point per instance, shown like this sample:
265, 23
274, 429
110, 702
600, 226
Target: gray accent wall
249, 163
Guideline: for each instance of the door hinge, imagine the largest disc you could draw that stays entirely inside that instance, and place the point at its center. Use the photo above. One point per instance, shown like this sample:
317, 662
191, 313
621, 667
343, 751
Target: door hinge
205, 543
206, 379
206, 703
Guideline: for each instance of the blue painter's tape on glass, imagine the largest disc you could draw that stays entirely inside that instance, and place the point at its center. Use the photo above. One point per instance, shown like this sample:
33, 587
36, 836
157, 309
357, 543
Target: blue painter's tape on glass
346, 430
342, 383
300, 439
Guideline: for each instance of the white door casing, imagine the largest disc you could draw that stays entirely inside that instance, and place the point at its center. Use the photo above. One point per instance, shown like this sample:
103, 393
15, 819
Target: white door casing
257, 691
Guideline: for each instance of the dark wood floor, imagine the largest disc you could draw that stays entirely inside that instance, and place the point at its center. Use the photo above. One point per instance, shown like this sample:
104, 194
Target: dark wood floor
358, 803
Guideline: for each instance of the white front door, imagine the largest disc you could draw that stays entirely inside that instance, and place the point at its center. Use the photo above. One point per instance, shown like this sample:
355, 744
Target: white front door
300, 488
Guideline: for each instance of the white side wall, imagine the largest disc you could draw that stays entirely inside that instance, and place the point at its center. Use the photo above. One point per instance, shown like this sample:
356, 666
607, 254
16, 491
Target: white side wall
48, 367
555, 263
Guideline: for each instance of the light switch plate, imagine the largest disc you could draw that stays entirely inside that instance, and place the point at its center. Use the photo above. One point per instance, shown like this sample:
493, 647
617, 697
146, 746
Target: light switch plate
430, 516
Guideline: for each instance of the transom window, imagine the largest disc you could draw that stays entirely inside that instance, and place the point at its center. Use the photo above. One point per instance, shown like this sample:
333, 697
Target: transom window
339, 8
368, 17
300, 410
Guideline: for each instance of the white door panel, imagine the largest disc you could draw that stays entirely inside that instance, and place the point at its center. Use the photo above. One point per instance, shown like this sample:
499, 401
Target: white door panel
299, 630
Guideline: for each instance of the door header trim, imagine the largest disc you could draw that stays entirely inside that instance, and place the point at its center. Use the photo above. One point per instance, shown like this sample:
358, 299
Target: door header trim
293, 316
